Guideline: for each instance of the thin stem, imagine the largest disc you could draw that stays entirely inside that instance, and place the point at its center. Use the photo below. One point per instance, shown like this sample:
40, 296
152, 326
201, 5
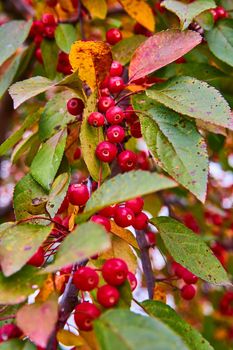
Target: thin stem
126, 95
8, 317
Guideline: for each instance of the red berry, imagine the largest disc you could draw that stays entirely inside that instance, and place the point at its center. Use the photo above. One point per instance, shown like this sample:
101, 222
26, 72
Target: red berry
51, 3
108, 296
105, 103
106, 151
115, 115
159, 8
38, 55
108, 211
49, 32
78, 194
77, 153
123, 216
116, 84
139, 29
105, 92
127, 160
141, 221
115, 133
38, 40
65, 222
189, 277
178, 269
37, 28
9, 331
135, 130
37, 259
96, 119
151, 238
64, 205
66, 270
84, 314
113, 36
104, 83
101, 220
130, 115
116, 69
85, 279
48, 19
222, 13
214, 13
135, 204
188, 292
75, 106
143, 161
115, 271
132, 280
180, 60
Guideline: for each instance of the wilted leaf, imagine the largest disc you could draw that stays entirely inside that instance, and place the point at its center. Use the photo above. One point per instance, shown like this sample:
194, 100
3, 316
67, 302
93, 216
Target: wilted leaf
49, 52
187, 12
48, 159
29, 320
160, 50
124, 234
159, 293
97, 8
85, 241
69, 339
194, 98
89, 138
123, 51
65, 35
189, 249
12, 35
92, 59
166, 314
18, 243
122, 329
141, 12
16, 288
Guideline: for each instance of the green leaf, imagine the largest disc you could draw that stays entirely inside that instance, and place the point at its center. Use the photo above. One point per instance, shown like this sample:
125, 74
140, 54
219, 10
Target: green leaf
16, 288
123, 51
122, 329
220, 40
85, 241
55, 116
176, 142
126, 186
16, 136
48, 159
15, 344
188, 249
49, 52
29, 198
89, 138
167, 315
24, 145
65, 35
12, 35
194, 98
18, 244
73, 83
187, 12
8, 72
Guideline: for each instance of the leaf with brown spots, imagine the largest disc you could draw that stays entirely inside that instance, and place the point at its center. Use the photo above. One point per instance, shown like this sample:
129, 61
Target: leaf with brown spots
92, 59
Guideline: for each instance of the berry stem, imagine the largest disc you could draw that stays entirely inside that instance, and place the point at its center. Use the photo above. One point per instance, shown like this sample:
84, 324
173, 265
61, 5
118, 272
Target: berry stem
146, 263
8, 317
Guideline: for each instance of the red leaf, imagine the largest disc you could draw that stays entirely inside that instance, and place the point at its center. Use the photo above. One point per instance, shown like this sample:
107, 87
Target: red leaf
161, 49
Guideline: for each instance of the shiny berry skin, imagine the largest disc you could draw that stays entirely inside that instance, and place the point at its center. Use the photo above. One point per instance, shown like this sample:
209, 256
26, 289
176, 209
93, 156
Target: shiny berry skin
135, 204
49, 32
135, 130
37, 259
151, 238
113, 36
51, 3
143, 161
38, 40
9, 331
132, 280
130, 115
115, 115
116, 84
108, 296
105, 103
123, 216
38, 55
115, 271
77, 153
85, 279
178, 269
96, 119
115, 133
106, 151
101, 220
222, 13
37, 28
66, 270
84, 314
188, 292
141, 221
116, 69
127, 160
108, 211
105, 92
214, 14
48, 19
75, 106
78, 194
189, 277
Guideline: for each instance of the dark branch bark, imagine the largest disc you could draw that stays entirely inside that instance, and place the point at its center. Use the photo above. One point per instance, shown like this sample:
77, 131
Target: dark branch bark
18, 8
146, 263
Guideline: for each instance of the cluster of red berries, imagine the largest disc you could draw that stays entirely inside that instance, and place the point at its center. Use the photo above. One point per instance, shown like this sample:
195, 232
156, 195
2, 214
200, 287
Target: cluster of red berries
226, 304
188, 291
219, 13
115, 273
9, 331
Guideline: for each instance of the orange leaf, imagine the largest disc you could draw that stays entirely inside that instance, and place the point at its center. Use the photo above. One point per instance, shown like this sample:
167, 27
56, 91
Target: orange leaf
124, 234
69, 339
159, 293
46, 289
141, 12
92, 59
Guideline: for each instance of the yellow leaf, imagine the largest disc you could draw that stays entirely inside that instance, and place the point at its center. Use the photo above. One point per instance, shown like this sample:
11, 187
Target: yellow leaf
159, 293
46, 289
141, 12
69, 339
97, 8
92, 59
124, 234
90, 339
135, 88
